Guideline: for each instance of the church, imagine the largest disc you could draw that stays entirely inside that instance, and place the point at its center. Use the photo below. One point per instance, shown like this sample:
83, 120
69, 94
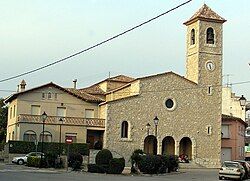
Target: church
170, 114
164, 113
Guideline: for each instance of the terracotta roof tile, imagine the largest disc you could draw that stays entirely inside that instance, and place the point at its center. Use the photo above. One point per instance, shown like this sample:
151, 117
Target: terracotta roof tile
205, 13
121, 78
84, 95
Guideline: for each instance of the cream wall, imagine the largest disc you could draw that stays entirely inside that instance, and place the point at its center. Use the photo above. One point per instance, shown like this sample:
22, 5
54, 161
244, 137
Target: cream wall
231, 104
74, 108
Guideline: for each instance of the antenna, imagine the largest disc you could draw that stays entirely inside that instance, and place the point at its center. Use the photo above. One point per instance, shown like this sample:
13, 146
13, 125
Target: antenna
109, 74
228, 79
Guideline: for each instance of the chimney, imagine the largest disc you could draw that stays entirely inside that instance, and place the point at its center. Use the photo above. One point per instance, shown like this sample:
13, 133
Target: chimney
22, 86
17, 88
74, 82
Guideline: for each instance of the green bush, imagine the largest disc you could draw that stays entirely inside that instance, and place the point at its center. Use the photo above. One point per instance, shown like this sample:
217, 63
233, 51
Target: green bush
103, 157
150, 164
33, 161
155, 164
2, 146
75, 161
135, 159
24, 147
116, 165
51, 159
94, 168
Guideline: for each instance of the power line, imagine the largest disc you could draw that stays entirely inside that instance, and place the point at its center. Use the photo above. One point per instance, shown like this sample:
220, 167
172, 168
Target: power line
94, 46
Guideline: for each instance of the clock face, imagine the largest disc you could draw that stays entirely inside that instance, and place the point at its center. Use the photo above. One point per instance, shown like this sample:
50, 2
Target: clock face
210, 66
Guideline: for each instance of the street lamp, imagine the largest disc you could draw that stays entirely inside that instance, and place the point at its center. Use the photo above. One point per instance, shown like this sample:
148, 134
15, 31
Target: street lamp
156, 121
148, 127
44, 117
242, 101
61, 122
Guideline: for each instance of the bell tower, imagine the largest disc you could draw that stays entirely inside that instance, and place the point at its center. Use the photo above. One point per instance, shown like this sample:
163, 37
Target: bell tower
204, 47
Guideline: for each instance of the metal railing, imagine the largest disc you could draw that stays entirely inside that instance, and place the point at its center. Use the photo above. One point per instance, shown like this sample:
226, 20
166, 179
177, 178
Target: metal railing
95, 122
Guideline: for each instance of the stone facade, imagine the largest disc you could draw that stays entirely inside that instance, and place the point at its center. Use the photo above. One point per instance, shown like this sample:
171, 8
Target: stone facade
189, 109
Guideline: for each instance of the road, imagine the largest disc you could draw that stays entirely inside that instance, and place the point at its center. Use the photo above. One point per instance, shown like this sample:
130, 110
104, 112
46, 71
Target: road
23, 173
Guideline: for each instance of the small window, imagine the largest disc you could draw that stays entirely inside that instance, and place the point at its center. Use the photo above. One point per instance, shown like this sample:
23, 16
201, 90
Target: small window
225, 131
210, 90
29, 136
61, 111
35, 110
210, 36
192, 37
209, 130
55, 95
13, 135
14, 111
43, 95
10, 112
89, 113
124, 131
49, 95
46, 136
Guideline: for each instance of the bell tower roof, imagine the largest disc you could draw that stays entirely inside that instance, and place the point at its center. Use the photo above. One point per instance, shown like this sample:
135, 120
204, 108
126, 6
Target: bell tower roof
207, 14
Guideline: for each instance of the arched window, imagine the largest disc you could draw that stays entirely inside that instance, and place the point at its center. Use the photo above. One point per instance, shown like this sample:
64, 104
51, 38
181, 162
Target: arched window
49, 95
124, 133
29, 136
210, 36
192, 37
47, 137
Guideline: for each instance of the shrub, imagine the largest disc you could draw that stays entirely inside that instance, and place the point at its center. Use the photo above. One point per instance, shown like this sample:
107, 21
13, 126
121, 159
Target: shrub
173, 163
150, 164
103, 157
116, 165
135, 159
51, 159
75, 161
94, 168
33, 161
24, 147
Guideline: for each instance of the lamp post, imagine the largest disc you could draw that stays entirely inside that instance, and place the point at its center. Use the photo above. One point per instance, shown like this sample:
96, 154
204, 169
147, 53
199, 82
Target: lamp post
60, 138
156, 121
242, 101
148, 127
44, 117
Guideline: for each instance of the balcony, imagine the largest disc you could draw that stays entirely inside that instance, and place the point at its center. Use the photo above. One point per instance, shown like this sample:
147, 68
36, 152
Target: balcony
54, 120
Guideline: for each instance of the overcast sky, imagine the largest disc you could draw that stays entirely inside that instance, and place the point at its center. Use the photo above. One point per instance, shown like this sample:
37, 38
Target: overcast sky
35, 33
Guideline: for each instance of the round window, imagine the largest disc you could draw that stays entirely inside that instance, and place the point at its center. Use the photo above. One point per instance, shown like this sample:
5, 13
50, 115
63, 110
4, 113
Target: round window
169, 103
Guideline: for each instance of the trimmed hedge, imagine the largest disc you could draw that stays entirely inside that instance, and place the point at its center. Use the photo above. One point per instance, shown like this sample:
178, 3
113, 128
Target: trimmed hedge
116, 165
155, 164
33, 161
23, 147
105, 163
75, 161
103, 157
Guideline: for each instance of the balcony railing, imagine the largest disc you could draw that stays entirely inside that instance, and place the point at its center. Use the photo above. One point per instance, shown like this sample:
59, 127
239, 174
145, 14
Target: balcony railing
90, 122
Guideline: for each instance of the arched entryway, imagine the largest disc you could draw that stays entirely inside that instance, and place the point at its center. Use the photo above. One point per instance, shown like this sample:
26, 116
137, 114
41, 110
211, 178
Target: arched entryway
150, 145
186, 147
168, 146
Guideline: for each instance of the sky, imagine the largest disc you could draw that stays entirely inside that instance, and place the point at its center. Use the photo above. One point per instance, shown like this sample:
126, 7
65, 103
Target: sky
36, 33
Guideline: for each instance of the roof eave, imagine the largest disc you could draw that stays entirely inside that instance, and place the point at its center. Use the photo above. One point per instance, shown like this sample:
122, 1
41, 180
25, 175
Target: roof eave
204, 19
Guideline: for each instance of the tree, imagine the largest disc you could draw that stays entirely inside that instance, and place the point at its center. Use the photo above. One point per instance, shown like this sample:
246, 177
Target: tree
3, 120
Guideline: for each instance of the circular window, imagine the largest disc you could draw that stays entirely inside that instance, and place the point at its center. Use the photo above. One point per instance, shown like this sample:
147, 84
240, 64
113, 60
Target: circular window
170, 104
